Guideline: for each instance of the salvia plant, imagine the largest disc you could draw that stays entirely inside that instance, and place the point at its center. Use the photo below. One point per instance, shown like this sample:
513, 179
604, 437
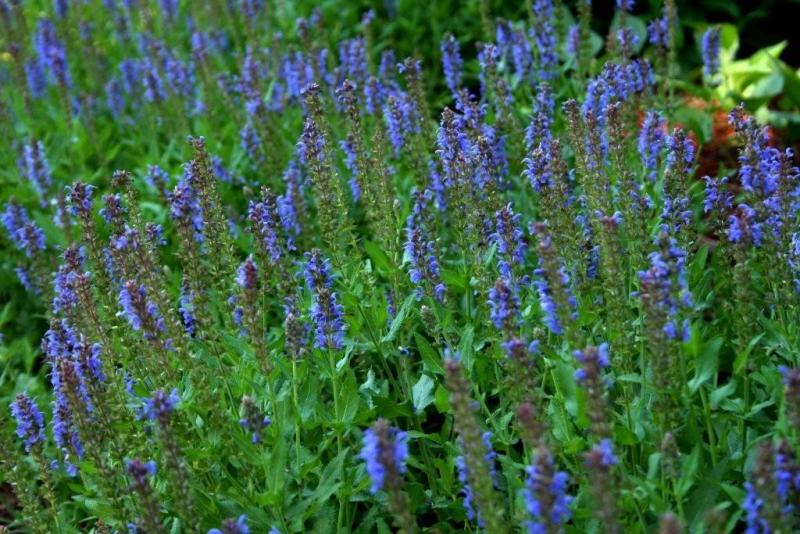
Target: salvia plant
264, 274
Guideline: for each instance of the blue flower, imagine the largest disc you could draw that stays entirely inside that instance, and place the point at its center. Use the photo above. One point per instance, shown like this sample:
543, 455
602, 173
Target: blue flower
52, 53
184, 207
651, 142
538, 130
710, 47
247, 275
545, 494
451, 62
658, 32
253, 420
233, 526
37, 170
463, 477
603, 454
30, 421
545, 38
504, 305
752, 505
186, 310
152, 82
326, 312
141, 313
160, 405
508, 239
420, 251
593, 360
376, 455
351, 162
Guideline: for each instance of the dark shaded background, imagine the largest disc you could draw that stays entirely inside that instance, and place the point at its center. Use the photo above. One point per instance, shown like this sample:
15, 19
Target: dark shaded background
416, 27
760, 23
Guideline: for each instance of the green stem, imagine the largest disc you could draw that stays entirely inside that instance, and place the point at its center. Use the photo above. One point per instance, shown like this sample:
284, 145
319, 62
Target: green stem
712, 440
298, 419
48, 489
337, 431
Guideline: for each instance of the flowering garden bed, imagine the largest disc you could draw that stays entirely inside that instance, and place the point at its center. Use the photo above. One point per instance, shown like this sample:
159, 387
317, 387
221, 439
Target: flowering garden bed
264, 281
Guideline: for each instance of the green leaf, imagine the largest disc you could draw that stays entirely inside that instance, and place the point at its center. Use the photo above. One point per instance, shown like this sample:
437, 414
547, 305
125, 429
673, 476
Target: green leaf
706, 365
623, 436
766, 87
378, 256
389, 408
729, 42
422, 392
431, 359
697, 120
442, 399
721, 393
741, 359
688, 470
465, 347
397, 322
564, 377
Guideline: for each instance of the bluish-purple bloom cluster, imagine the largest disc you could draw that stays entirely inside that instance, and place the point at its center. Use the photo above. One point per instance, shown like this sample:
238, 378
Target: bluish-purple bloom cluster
30, 421
326, 312
421, 253
651, 142
375, 457
141, 313
710, 45
664, 286
160, 405
545, 495
452, 63
232, 526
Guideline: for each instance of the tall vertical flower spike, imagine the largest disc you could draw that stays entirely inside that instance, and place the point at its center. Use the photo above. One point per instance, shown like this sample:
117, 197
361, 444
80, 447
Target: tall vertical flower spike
30, 421
765, 504
315, 153
451, 62
326, 312
545, 494
141, 313
594, 360
666, 298
353, 146
247, 314
504, 306
384, 452
791, 395
508, 239
160, 409
421, 253
140, 474
25, 234
185, 209
475, 474
651, 142
200, 175
52, 54
36, 168
253, 420
710, 48
553, 284
545, 37
539, 130
601, 462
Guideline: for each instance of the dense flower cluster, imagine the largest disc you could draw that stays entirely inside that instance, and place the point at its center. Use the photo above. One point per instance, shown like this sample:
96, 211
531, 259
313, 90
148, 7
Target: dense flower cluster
341, 286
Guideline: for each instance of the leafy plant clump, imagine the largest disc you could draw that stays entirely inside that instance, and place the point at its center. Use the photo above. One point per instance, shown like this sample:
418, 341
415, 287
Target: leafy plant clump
291, 284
